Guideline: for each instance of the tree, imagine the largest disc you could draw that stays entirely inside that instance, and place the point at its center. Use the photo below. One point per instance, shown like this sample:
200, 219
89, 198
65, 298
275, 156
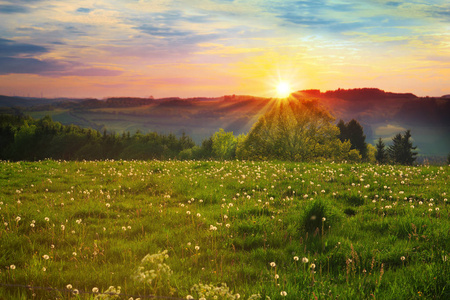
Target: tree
224, 144
353, 131
381, 154
371, 153
294, 129
401, 151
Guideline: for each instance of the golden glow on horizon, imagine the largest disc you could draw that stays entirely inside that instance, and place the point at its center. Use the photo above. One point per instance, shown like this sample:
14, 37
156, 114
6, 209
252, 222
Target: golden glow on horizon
283, 89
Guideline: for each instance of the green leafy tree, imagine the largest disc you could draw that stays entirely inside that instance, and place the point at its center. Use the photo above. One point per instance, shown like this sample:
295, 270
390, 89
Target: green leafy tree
224, 144
371, 153
381, 154
294, 129
401, 151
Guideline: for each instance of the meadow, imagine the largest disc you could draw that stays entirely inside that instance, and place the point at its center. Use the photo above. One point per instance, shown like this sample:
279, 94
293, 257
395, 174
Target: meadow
223, 230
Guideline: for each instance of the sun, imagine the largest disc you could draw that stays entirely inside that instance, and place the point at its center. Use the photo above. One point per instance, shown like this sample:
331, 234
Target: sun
283, 89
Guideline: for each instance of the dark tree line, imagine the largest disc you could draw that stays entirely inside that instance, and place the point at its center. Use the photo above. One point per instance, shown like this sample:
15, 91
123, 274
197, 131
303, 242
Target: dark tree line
23, 138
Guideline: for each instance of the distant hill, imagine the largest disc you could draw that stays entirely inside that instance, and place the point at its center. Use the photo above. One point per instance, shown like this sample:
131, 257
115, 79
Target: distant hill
382, 114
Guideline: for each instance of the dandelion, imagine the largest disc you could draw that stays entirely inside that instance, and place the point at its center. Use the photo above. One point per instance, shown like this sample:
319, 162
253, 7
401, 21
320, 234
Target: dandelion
44, 269
296, 258
272, 264
18, 219
197, 248
75, 292
305, 260
107, 204
45, 256
74, 253
12, 267
277, 276
95, 289
402, 258
313, 266
63, 227
47, 219
189, 297
69, 286
283, 293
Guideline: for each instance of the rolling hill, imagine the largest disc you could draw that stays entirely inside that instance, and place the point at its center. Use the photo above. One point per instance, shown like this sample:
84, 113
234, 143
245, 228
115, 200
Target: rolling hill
382, 114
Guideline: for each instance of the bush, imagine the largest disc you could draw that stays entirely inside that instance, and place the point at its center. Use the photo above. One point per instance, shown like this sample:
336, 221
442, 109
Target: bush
319, 215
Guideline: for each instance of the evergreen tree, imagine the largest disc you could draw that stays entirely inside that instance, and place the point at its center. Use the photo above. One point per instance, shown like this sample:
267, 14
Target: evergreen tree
401, 151
381, 154
353, 131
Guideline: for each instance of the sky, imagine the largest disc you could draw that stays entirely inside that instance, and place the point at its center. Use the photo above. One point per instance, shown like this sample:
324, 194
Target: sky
211, 48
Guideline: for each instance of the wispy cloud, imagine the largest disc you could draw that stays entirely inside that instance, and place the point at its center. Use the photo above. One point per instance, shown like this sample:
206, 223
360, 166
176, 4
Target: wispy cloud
13, 9
329, 43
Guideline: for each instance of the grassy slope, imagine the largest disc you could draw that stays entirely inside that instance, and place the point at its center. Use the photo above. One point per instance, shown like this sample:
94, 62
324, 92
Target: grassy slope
104, 217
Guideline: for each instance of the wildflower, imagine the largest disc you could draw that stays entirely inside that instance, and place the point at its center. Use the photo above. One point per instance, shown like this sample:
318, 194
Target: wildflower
75, 292
18, 219
74, 253
324, 219
283, 293
45, 256
296, 258
44, 269
63, 227
305, 260
402, 258
277, 276
69, 286
272, 264
107, 204
197, 248
12, 267
189, 297
47, 219
95, 289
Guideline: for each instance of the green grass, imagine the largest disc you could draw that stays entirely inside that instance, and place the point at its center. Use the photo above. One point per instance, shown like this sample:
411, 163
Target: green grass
367, 231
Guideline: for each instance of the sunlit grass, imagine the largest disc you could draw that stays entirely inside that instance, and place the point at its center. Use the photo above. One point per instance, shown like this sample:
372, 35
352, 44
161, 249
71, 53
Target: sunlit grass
331, 230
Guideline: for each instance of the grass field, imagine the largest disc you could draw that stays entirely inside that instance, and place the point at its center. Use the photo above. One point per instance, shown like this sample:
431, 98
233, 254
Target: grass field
227, 229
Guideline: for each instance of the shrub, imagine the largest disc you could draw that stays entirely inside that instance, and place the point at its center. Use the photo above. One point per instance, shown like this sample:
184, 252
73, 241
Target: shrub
319, 214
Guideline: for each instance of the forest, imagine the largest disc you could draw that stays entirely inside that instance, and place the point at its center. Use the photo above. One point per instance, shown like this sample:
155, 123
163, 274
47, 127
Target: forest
292, 130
